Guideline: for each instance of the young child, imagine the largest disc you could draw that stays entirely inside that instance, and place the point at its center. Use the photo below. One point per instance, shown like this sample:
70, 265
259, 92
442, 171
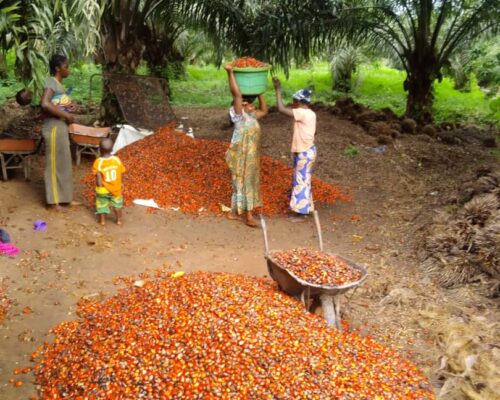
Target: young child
108, 170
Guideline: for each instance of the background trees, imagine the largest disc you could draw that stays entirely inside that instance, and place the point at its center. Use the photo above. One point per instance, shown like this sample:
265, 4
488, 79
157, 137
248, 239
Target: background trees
423, 36
45, 27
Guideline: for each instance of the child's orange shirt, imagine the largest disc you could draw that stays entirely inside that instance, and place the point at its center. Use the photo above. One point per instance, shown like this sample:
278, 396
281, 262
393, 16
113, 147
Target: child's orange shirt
111, 170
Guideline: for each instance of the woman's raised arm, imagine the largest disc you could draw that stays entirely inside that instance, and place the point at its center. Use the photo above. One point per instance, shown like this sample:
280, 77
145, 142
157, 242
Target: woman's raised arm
235, 90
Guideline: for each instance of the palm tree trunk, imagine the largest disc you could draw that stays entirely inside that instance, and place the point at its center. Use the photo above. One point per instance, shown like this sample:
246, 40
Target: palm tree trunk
423, 68
3, 65
420, 97
117, 57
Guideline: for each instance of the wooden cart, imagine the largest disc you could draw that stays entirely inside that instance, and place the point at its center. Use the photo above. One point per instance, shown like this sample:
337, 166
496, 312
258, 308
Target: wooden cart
87, 139
15, 153
297, 287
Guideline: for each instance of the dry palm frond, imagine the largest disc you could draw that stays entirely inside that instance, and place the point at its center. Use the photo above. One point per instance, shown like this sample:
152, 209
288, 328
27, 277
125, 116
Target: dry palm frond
487, 183
487, 242
480, 209
464, 247
470, 359
450, 272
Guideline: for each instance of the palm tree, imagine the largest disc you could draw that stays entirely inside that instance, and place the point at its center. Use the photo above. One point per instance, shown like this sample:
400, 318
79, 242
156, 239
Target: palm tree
344, 62
459, 69
44, 27
9, 16
423, 34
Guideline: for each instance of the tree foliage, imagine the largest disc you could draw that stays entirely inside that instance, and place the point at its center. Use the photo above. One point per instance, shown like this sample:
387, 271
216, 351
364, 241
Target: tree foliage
44, 27
422, 34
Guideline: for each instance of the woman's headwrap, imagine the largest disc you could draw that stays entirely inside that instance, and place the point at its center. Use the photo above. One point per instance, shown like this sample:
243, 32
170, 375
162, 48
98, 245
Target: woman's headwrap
303, 95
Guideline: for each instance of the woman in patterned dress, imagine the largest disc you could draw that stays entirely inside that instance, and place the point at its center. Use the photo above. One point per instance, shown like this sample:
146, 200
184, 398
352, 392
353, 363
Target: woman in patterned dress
243, 155
303, 148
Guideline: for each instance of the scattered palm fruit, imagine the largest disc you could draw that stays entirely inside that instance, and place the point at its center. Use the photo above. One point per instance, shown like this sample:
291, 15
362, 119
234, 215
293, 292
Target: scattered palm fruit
215, 336
317, 267
248, 62
5, 303
179, 172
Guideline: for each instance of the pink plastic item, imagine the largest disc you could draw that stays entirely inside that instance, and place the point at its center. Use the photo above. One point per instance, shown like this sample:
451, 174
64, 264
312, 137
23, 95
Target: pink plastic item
8, 249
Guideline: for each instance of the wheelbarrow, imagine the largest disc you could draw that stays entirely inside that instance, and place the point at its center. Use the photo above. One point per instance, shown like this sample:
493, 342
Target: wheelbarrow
87, 139
329, 296
16, 153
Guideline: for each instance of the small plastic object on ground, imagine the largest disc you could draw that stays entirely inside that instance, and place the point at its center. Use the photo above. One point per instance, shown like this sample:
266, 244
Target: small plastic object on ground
215, 336
8, 249
146, 203
4, 236
128, 135
39, 225
377, 150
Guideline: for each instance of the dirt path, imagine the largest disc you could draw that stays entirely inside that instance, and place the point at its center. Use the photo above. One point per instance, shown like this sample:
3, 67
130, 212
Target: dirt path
394, 195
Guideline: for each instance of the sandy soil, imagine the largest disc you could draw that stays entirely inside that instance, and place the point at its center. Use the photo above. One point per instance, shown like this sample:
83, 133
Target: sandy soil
395, 195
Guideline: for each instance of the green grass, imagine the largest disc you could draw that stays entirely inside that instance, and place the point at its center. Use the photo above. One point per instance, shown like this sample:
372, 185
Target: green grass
351, 151
208, 86
383, 87
380, 87
374, 86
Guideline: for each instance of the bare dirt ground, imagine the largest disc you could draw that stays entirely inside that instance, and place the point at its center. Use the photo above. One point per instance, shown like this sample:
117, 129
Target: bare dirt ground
395, 194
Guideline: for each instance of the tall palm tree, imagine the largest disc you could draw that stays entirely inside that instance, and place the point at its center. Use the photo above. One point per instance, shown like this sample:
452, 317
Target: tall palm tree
423, 34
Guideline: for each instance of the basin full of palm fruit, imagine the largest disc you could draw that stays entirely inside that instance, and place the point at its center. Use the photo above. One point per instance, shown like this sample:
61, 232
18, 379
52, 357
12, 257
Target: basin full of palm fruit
212, 335
251, 75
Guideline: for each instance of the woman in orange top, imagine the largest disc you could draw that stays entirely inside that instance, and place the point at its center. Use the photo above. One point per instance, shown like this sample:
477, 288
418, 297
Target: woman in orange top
303, 148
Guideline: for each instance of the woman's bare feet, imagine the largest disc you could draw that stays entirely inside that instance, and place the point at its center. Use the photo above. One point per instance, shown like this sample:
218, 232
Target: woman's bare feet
233, 216
250, 221
55, 207
102, 219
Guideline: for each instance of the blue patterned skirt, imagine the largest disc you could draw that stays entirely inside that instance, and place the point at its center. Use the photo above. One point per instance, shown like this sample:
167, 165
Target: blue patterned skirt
301, 200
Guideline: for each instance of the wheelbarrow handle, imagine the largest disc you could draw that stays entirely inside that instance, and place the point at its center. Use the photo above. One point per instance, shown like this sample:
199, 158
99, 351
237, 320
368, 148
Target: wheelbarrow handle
264, 231
318, 228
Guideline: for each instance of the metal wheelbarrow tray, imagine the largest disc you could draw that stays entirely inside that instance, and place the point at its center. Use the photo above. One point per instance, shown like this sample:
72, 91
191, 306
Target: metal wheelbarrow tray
291, 284
87, 139
15, 153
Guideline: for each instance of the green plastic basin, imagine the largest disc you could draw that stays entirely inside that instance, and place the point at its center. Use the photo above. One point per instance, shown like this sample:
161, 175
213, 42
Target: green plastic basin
252, 81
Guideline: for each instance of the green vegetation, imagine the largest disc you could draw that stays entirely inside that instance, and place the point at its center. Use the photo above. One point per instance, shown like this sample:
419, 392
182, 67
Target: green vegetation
79, 80
351, 151
373, 85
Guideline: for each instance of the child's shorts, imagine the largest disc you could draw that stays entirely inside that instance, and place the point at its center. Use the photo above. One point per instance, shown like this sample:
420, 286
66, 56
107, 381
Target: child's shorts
103, 199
